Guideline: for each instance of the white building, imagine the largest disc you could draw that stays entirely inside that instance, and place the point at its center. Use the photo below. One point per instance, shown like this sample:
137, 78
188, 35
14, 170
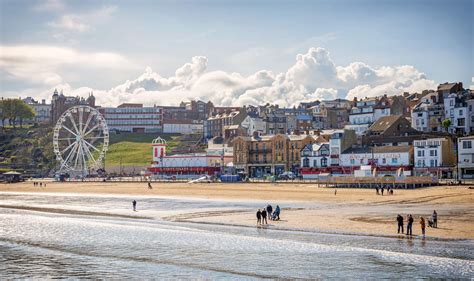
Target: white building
254, 124
42, 110
386, 159
183, 127
457, 109
183, 165
135, 118
366, 112
466, 157
314, 159
434, 156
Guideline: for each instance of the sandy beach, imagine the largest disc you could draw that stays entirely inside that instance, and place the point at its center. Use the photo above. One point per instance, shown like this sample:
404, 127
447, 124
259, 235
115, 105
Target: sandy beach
351, 211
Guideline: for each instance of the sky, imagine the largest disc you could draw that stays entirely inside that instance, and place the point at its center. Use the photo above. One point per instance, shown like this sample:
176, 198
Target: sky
232, 52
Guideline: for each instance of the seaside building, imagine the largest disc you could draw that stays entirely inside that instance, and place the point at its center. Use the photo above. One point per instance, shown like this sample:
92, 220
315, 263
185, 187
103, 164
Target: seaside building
466, 157
434, 156
258, 156
182, 126
133, 117
214, 126
189, 165
428, 113
392, 130
253, 123
458, 108
366, 112
42, 110
60, 103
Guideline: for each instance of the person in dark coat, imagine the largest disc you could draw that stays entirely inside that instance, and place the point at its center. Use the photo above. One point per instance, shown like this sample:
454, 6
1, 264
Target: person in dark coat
269, 211
134, 204
264, 216
410, 225
435, 219
400, 223
259, 216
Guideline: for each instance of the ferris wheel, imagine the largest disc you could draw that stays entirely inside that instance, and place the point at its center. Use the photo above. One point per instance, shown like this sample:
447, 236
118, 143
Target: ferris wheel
80, 140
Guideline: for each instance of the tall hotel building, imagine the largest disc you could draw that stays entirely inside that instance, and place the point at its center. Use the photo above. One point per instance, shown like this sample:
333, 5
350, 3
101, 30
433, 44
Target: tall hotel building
133, 117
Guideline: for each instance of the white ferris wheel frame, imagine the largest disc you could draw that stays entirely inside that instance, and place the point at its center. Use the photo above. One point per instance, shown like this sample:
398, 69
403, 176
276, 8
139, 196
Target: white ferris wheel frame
78, 156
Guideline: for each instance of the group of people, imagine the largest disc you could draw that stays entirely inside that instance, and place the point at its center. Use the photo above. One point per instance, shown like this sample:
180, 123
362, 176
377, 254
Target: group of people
432, 222
40, 184
382, 189
263, 213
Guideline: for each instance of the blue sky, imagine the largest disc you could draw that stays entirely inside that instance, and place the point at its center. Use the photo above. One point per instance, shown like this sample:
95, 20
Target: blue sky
435, 37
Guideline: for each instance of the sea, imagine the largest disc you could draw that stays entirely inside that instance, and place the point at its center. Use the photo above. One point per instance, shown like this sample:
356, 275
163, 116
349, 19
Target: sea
72, 236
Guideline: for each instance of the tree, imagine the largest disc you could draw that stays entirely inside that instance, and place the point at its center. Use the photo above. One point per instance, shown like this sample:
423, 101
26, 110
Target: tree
446, 123
24, 111
15, 109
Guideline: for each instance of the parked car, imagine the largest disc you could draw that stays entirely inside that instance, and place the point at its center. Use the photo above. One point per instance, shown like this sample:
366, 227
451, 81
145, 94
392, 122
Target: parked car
287, 176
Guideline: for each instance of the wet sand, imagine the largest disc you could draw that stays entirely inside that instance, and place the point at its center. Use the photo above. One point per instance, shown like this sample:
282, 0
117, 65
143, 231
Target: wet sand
351, 211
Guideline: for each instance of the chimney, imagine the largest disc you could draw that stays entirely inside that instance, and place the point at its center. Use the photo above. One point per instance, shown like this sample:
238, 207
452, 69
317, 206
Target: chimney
43, 101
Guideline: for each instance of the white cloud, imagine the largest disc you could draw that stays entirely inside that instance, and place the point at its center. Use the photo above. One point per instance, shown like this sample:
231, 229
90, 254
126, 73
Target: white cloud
42, 64
50, 5
313, 76
69, 24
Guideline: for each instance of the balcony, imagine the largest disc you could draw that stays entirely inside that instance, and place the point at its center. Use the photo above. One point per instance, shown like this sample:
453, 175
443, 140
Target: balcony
266, 150
259, 162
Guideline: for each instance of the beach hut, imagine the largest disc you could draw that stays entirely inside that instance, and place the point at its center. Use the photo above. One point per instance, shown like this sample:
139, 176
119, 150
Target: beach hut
12, 177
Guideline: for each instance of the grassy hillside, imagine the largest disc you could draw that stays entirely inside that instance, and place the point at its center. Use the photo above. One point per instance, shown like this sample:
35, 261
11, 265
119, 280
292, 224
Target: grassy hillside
134, 149
27, 150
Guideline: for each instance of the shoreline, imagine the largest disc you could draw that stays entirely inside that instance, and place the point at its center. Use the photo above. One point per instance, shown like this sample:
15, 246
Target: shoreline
304, 207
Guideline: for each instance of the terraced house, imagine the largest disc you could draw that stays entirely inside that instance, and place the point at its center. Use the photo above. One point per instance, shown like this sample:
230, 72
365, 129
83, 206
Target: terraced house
258, 156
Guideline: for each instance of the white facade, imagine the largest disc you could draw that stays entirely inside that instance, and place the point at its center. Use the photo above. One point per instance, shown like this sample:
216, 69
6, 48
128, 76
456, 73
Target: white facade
365, 114
466, 156
133, 119
254, 124
459, 113
381, 158
315, 155
428, 153
359, 129
183, 128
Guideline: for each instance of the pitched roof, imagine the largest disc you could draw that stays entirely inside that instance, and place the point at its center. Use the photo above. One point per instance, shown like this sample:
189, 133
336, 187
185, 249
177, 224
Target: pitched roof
385, 122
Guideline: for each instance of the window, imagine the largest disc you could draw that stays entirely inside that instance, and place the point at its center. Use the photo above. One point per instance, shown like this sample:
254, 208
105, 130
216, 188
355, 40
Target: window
315, 163
352, 161
306, 162
384, 161
394, 160
421, 153
324, 162
451, 102
466, 144
433, 163
461, 122
460, 112
419, 163
433, 153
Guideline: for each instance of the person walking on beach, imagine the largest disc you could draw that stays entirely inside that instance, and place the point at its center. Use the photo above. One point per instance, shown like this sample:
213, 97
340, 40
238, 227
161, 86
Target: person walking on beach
134, 204
277, 213
382, 190
423, 226
410, 225
259, 216
435, 219
149, 186
269, 211
41, 184
264, 216
400, 223
377, 190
